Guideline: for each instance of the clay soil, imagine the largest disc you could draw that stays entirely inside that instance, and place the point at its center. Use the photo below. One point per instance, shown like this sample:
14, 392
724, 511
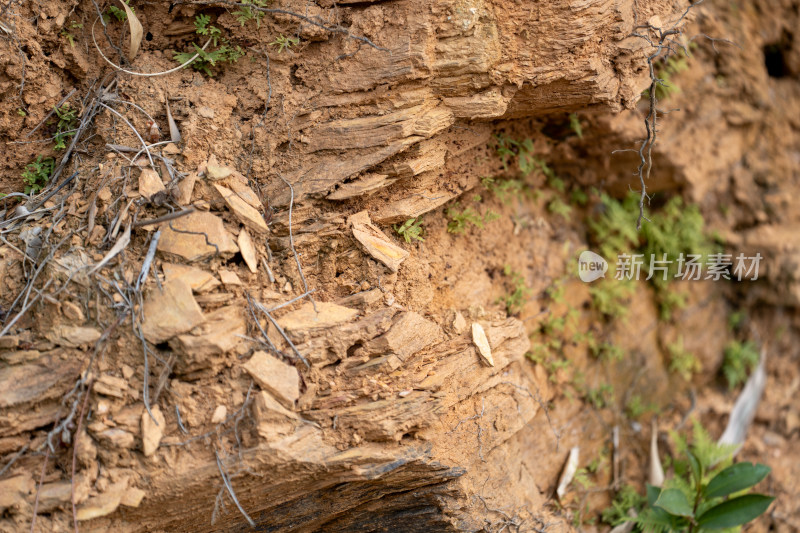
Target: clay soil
283, 348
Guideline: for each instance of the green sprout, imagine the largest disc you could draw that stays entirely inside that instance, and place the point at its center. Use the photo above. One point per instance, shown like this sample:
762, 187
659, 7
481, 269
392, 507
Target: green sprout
283, 42
410, 230
37, 173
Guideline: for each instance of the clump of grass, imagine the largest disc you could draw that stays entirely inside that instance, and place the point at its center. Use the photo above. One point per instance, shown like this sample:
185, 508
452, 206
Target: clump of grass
740, 359
410, 230
37, 173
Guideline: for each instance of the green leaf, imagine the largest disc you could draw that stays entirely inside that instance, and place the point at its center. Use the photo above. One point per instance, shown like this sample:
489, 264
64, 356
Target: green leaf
735, 478
697, 467
652, 494
735, 512
674, 502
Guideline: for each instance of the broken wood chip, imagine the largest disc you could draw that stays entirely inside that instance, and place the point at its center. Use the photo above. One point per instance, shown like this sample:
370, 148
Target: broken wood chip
376, 243
480, 340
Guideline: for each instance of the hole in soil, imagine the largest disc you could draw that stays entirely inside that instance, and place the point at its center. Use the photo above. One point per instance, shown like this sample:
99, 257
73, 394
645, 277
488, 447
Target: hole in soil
148, 37
775, 61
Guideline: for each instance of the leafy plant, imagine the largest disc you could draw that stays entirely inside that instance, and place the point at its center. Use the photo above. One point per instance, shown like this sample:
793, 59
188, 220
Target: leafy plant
68, 35
37, 173
117, 13
515, 299
607, 351
627, 498
610, 297
558, 207
67, 123
740, 359
283, 42
246, 13
601, 396
222, 53
683, 362
707, 493
21, 112
636, 407
504, 189
410, 230
461, 219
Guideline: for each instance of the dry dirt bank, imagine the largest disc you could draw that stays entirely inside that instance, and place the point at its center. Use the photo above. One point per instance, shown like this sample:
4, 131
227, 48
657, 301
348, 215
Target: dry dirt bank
365, 405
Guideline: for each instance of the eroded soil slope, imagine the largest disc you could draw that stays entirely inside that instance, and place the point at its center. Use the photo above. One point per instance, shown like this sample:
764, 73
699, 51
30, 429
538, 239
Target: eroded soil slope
239, 327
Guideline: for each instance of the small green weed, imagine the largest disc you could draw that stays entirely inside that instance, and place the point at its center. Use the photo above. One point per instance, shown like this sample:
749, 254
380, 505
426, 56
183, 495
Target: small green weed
515, 300
606, 351
505, 190
740, 359
222, 53
67, 123
67, 33
635, 407
37, 173
683, 362
610, 297
246, 13
21, 112
601, 396
707, 492
617, 513
558, 207
410, 230
285, 43
460, 220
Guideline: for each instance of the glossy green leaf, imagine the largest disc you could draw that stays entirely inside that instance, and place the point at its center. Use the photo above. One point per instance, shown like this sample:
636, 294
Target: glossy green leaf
735, 478
674, 502
734, 512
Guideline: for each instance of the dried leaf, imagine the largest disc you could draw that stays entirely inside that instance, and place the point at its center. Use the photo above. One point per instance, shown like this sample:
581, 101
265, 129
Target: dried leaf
136, 31
174, 132
120, 245
570, 468
656, 470
744, 410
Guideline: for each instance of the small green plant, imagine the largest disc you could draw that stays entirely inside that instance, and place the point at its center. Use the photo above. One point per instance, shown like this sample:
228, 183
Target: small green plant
459, 220
37, 173
67, 123
221, 53
410, 230
21, 112
246, 13
736, 319
68, 35
626, 499
117, 13
575, 124
558, 207
664, 71
740, 359
505, 190
601, 396
635, 407
579, 197
606, 351
682, 361
515, 300
610, 297
707, 492
284, 43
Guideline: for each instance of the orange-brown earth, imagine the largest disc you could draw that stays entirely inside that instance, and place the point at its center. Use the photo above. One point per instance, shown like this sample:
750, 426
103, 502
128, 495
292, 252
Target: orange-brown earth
365, 405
